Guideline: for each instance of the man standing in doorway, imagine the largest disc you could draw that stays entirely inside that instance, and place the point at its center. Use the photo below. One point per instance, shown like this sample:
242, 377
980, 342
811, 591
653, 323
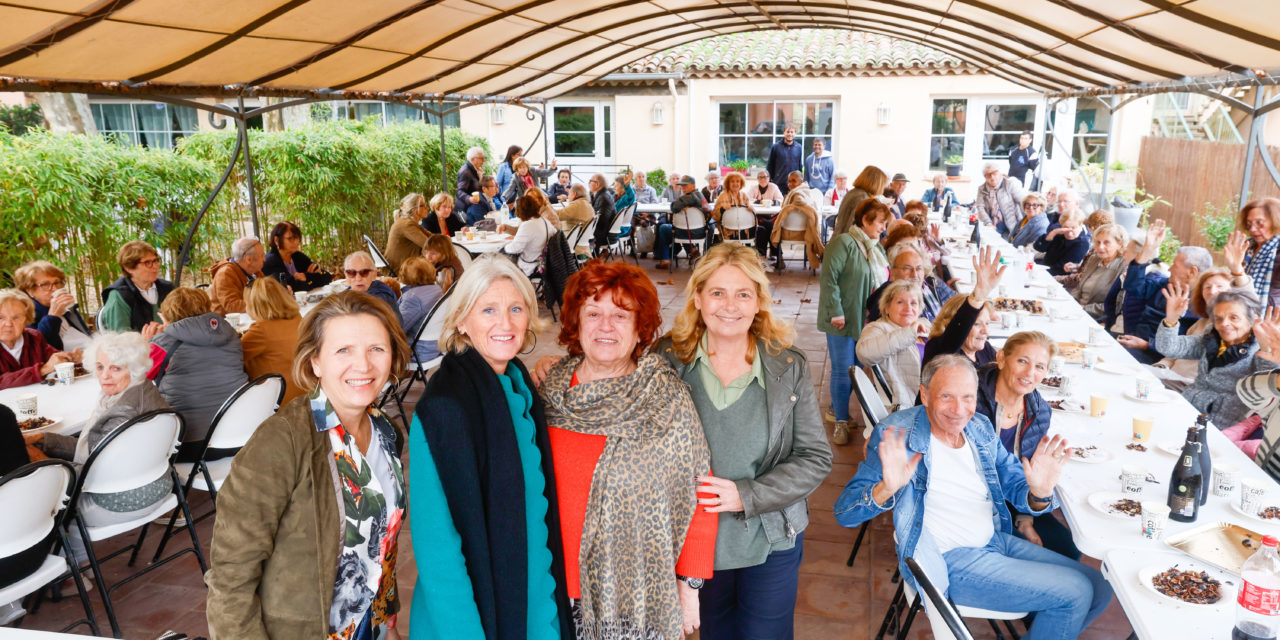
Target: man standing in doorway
785, 156
1023, 159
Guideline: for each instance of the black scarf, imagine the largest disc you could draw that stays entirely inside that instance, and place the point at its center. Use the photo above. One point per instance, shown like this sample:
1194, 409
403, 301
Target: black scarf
1230, 355
477, 458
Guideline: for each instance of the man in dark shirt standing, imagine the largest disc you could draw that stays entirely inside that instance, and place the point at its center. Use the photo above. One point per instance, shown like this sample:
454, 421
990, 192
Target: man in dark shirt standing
1023, 159
785, 156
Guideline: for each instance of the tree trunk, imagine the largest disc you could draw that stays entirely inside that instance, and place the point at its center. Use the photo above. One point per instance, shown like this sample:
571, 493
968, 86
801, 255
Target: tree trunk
66, 112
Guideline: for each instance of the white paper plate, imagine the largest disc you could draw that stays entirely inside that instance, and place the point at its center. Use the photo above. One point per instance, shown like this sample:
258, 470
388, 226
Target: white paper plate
1115, 368
1171, 447
1235, 506
1158, 396
1071, 405
1096, 456
57, 421
1101, 502
1227, 590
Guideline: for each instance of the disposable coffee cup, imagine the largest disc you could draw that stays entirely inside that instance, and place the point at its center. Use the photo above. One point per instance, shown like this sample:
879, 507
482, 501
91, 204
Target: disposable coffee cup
1006, 320
1155, 517
1020, 319
1098, 405
1056, 365
1088, 358
1097, 335
28, 405
66, 372
1002, 290
1142, 428
301, 297
1142, 388
1132, 480
1225, 478
1252, 493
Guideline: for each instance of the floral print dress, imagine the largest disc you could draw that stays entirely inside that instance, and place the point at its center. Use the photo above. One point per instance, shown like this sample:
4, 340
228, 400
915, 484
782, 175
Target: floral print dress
373, 514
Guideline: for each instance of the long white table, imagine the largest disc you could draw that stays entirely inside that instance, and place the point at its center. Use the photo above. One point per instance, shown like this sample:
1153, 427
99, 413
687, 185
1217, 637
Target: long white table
1118, 543
72, 403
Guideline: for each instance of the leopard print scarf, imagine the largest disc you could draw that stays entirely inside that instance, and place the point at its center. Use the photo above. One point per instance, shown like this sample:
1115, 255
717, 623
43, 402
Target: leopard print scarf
654, 448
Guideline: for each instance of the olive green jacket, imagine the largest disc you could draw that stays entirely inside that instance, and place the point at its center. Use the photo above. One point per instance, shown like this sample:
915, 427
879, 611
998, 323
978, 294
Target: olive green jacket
277, 538
847, 279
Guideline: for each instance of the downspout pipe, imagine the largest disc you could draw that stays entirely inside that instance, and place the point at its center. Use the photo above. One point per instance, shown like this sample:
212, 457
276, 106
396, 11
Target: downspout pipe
675, 121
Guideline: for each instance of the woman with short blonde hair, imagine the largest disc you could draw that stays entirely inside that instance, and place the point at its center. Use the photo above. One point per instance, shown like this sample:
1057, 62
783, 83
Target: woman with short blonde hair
407, 237
894, 341
270, 343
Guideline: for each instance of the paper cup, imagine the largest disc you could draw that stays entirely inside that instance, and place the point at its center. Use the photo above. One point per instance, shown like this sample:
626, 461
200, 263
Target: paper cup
1252, 493
1056, 365
1088, 358
1020, 319
1225, 477
301, 297
1142, 388
28, 405
1097, 335
66, 372
1132, 480
1142, 428
1098, 405
1155, 516
1006, 320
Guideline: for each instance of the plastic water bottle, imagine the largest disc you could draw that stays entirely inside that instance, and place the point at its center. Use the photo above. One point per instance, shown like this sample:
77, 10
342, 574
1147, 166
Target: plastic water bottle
1258, 605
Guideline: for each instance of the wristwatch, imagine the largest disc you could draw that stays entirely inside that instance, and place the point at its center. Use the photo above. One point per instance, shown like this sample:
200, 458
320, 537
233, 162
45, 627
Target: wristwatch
694, 583
1036, 498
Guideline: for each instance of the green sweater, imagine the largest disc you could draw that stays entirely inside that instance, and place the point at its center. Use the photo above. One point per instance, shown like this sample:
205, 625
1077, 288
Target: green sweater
847, 280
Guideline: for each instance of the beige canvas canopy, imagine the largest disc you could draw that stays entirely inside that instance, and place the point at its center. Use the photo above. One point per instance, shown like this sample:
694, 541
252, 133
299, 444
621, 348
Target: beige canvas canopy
422, 49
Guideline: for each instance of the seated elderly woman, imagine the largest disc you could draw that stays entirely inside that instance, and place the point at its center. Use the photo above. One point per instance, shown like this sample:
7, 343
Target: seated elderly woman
270, 342
1033, 225
286, 259
132, 303
288, 560
1090, 282
120, 362
443, 255
1008, 397
531, 236
1064, 243
651, 545
201, 365
907, 262
895, 342
441, 218
559, 191
362, 276
623, 195
57, 317
1177, 373
482, 471
732, 196
961, 325
407, 238
26, 358
1227, 353
419, 295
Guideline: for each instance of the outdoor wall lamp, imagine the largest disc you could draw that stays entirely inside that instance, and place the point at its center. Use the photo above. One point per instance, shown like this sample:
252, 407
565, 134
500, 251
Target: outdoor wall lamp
883, 114
657, 113
499, 114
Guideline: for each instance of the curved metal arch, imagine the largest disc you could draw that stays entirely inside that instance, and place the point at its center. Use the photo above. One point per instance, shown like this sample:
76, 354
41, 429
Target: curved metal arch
842, 10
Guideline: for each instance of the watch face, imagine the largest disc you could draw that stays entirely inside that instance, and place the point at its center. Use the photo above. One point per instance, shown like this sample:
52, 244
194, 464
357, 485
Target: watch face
694, 583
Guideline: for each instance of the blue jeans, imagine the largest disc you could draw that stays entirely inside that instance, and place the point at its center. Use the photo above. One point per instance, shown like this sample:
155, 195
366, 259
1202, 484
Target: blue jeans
662, 247
753, 603
840, 351
1013, 574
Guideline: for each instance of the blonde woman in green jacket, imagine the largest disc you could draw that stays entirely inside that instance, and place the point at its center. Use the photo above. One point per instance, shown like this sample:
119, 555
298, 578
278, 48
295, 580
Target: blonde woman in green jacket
853, 266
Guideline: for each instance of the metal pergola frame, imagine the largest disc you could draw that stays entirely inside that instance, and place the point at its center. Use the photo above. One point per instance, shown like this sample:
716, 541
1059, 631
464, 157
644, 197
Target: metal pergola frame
535, 108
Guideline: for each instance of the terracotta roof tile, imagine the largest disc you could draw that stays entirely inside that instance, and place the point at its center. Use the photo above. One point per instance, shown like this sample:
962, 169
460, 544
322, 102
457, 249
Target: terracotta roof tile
810, 52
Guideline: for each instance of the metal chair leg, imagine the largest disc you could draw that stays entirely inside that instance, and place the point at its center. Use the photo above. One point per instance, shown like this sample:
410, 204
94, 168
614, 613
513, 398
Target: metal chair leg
890, 623
862, 531
97, 577
911, 616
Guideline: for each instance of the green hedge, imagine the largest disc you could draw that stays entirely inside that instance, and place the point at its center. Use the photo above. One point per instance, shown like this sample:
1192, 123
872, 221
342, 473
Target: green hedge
75, 199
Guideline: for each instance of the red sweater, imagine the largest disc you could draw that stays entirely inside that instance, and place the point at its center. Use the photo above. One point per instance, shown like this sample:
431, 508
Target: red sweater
26, 369
574, 456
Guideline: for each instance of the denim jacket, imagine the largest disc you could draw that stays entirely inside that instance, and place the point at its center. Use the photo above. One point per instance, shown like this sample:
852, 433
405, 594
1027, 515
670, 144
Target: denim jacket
1003, 473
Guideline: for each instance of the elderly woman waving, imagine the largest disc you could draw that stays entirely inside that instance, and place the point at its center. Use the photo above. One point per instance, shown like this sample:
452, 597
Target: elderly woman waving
486, 522
626, 435
758, 410
305, 541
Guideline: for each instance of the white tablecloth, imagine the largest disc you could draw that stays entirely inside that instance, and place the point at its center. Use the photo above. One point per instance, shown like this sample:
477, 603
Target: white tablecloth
1119, 543
73, 403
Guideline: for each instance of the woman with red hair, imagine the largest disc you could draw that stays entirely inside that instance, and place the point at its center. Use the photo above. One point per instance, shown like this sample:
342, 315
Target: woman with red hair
625, 433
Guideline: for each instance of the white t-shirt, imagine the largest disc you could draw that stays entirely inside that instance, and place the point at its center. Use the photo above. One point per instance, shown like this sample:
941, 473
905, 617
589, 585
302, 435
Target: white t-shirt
16, 351
72, 339
957, 504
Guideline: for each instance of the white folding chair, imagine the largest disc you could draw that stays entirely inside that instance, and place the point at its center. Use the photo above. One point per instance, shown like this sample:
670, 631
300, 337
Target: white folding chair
737, 224
464, 256
33, 499
587, 235
873, 407
131, 457
683, 225
618, 240
795, 221
379, 261
945, 617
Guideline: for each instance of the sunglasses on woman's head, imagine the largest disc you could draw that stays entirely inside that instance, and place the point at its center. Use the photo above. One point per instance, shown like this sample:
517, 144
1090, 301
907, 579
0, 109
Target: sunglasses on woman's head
351, 273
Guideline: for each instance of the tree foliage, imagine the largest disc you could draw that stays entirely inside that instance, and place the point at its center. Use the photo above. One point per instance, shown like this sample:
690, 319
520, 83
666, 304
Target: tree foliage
18, 119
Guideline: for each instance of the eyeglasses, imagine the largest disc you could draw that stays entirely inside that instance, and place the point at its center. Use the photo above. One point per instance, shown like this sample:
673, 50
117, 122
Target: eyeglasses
363, 273
150, 262
48, 286
1033, 206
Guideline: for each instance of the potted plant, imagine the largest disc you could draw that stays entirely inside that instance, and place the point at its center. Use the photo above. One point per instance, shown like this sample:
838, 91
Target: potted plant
954, 162
1130, 206
740, 166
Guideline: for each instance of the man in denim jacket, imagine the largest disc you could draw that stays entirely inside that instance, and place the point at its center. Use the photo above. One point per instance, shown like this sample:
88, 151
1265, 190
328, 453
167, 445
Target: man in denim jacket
949, 512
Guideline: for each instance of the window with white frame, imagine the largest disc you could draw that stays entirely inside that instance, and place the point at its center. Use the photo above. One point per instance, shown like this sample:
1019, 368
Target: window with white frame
956, 139
150, 124
1002, 124
746, 130
582, 130
946, 136
391, 112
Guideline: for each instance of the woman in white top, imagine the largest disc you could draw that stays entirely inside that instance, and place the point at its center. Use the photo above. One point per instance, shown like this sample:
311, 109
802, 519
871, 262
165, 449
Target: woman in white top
896, 340
531, 236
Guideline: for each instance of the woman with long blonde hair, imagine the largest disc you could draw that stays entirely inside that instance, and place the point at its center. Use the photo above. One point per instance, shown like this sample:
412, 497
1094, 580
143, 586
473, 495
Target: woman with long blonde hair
739, 364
